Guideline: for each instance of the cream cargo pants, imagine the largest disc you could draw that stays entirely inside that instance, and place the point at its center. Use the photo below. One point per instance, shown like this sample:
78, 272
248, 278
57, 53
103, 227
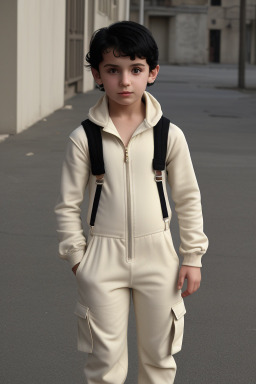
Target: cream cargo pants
106, 279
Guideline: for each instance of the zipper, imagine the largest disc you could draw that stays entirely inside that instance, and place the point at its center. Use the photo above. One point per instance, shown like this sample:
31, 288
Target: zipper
128, 192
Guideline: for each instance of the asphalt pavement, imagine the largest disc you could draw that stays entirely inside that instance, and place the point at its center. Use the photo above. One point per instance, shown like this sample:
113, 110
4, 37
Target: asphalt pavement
38, 290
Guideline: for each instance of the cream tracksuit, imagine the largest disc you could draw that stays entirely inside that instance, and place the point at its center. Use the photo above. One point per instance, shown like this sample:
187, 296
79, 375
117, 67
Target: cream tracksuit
130, 250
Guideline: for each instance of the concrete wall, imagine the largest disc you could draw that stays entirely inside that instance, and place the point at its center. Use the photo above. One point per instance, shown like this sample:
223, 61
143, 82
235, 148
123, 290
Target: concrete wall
253, 58
32, 61
230, 44
8, 66
190, 44
88, 82
189, 2
187, 38
41, 53
172, 40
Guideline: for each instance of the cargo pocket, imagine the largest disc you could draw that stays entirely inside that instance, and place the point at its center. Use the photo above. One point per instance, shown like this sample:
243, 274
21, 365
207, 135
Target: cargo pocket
177, 330
84, 334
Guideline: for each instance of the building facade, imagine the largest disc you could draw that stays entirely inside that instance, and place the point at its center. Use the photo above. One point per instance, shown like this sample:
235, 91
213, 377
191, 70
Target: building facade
43, 44
223, 29
198, 31
179, 28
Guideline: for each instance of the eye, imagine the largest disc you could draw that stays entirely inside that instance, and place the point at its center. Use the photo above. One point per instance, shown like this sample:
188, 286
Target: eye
113, 70
137, 70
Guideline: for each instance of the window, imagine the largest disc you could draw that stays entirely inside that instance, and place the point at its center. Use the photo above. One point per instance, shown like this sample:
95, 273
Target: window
215, 2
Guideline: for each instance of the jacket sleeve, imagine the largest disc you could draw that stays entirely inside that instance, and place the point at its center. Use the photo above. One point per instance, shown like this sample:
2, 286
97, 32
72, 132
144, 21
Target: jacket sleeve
187, 198
74, 179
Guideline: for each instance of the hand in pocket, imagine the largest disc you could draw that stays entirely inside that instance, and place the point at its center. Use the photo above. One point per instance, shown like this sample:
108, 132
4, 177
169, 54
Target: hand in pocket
74, 269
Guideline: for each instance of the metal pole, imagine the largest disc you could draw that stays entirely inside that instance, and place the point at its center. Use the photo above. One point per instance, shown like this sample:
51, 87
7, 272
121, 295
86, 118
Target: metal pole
127, 11
242, 45
141, 18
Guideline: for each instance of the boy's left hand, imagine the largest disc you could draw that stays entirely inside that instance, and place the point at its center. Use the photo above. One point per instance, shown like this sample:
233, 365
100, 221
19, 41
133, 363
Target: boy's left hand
193, 276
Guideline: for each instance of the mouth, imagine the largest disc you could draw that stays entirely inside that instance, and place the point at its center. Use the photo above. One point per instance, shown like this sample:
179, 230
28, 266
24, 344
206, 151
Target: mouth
125, 93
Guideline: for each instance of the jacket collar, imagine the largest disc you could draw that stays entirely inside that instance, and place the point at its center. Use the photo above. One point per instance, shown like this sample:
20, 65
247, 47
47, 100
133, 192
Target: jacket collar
99, 114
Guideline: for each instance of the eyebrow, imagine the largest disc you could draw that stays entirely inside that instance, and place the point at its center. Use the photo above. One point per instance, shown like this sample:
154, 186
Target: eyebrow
117, 66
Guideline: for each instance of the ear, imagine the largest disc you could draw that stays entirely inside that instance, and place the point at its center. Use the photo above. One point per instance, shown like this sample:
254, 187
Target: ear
96, 76
153, 74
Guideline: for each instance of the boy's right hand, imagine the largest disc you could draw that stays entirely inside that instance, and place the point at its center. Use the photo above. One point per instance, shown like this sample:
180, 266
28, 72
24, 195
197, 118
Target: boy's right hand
193, 276
75, 268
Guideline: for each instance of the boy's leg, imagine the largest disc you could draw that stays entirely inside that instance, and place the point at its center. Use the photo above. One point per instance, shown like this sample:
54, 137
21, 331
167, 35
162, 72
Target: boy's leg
103, 310
159, 308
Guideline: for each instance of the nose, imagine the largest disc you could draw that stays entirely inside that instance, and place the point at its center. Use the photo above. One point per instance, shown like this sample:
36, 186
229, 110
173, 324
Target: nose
125, 79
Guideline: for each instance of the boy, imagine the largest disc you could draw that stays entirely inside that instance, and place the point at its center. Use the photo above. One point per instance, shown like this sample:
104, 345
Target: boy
129, 251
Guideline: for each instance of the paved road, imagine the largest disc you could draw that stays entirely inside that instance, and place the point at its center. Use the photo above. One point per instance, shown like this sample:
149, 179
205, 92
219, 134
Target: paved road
38, 290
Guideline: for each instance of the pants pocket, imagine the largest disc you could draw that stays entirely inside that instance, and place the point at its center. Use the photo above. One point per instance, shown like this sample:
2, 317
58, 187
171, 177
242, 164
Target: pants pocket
84, 334
170, 244
85, 256
177, 330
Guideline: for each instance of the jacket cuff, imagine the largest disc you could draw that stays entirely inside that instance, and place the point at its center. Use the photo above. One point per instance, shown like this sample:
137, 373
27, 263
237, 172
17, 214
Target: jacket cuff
75, 257
192, 260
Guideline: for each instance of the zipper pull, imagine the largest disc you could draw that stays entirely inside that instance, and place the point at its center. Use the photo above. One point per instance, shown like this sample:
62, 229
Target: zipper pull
126, 154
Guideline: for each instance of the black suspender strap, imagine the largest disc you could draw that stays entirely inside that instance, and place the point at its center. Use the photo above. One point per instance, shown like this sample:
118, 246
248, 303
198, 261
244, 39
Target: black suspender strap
93, 133
96, 200
160, 148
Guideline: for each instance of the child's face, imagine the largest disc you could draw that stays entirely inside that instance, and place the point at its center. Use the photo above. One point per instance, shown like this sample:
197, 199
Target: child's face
124, 79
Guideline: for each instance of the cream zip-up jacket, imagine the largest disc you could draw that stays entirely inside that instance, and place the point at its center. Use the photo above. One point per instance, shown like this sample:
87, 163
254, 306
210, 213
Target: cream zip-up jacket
129, 205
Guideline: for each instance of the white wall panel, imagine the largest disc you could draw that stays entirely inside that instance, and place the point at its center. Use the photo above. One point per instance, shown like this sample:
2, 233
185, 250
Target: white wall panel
41, 59
8, 66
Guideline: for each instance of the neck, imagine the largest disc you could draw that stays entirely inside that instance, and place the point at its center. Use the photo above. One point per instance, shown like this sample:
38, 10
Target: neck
126, 111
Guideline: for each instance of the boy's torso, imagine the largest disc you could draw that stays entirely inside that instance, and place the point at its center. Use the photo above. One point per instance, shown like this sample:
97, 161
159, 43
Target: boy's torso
129, 193
129, 201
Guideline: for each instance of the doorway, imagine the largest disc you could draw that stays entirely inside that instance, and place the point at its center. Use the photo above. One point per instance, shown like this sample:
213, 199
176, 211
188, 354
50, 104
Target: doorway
214, 52
159, 27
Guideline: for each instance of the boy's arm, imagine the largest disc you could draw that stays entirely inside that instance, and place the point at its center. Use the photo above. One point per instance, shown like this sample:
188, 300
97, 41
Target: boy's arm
74, 179
186, 196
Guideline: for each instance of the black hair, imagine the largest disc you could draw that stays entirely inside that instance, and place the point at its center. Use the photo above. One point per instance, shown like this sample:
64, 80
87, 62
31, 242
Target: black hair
126, 38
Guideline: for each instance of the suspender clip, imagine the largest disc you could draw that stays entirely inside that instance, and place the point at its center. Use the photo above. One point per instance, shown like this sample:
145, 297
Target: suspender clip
166, 222
100, 181
158, 176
